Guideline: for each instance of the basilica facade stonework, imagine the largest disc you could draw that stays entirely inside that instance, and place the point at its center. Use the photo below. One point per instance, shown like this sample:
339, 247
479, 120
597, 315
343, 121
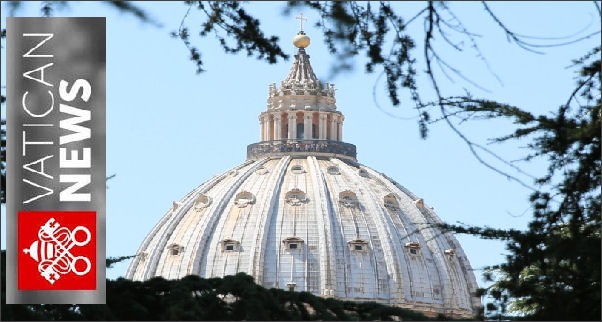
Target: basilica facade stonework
302, 214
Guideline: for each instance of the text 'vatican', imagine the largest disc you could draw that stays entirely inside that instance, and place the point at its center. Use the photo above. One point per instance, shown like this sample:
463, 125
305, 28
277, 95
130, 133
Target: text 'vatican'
71, 135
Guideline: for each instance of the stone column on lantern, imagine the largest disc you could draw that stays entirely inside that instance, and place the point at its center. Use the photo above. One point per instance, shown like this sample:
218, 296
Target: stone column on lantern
277, 127
307, 120
340, 134
322, 126
292, 126
333, 128
261, 128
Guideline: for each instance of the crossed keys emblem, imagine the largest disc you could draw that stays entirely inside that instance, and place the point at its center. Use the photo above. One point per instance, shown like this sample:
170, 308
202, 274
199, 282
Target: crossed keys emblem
52, 250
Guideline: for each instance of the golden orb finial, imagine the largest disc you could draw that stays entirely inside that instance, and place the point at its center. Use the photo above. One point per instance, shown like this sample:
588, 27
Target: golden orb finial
301, 40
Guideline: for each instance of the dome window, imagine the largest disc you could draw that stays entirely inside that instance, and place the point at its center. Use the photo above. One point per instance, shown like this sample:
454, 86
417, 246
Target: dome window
413, 247
295, 197
348, 199
233, 173
390, 202
450, 252
297, 169
334, 170
358, 245
230, 245
175, 249
244, 198
261, 170
417, 294
143, 255
202, 201
419, 203
291, 286
363, 173
292, 243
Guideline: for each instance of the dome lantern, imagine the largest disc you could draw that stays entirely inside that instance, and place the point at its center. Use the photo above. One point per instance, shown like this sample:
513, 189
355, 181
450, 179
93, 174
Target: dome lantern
301, 116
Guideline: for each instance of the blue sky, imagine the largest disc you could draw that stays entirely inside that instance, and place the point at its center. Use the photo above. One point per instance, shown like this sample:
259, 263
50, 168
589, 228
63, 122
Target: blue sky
169, 129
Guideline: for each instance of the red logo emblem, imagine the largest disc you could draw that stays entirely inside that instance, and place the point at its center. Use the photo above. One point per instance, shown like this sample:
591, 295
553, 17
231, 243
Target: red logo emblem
57, 250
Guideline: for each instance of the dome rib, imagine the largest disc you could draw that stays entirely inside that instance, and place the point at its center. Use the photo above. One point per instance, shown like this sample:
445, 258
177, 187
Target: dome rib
390, 248
386, 219
162, 225
176, 235
204, 245
256, 262
378, 246
324, 224
443, 267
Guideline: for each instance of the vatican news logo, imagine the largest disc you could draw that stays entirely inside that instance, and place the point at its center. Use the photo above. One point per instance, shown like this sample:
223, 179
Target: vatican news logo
57, 250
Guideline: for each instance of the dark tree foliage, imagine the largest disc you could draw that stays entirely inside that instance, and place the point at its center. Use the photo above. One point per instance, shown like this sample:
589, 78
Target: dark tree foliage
48, 8
3, 160
552, 270
232, 19
231, 298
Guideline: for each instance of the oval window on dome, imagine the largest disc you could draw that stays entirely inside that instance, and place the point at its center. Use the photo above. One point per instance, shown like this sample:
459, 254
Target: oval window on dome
233, 173
244, 198
419, 203
348, 199
142, 255
334, 170
202, 201
390, 202
295, 197
175, 249
297, 169
261, 170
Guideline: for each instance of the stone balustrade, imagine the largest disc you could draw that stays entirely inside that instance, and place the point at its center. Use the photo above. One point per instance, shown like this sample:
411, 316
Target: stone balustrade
327, 148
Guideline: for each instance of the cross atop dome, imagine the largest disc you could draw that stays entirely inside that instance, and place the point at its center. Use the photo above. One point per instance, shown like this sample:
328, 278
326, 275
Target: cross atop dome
300, 18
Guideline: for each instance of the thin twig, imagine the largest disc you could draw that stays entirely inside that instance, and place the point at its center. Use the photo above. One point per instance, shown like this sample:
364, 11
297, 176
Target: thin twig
471, 145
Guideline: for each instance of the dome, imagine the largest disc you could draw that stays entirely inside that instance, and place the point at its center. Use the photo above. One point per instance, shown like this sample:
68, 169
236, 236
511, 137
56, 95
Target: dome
302, 214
